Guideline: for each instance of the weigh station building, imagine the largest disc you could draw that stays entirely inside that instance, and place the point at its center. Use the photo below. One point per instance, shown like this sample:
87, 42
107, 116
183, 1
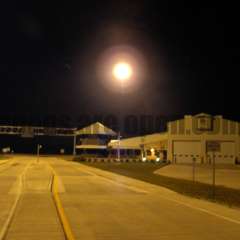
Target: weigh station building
199, 138
186, 140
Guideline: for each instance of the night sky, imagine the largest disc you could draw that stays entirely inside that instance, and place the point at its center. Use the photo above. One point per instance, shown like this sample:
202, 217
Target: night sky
50, 55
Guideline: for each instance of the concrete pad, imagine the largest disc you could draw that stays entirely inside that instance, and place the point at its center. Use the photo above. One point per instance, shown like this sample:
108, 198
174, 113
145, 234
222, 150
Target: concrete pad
103, 205
35, 216
228, 177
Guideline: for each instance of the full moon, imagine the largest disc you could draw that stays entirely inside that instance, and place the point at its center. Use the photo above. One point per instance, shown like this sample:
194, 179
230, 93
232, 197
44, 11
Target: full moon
122, 71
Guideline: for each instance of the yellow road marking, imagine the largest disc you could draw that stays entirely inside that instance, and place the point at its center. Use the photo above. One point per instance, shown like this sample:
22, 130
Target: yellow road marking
63, 218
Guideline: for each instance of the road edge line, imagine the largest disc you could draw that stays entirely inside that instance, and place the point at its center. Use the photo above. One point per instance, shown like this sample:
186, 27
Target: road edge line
209, 212
7, 223
10, 216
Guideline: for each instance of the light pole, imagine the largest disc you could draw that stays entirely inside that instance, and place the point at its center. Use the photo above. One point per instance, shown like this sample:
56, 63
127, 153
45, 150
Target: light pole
193, 169
119, 148
213, 174
38, 150
74, 144
122, 71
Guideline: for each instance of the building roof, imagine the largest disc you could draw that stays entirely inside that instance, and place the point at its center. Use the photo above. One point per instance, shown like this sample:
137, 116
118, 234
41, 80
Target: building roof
91, 147
137, 142
96, 129
203, 115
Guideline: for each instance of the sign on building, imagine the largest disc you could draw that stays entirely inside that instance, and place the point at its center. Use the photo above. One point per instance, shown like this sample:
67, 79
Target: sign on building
213, 146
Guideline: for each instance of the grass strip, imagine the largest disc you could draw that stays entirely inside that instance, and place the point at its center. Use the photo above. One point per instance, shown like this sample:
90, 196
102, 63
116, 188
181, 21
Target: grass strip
144, 172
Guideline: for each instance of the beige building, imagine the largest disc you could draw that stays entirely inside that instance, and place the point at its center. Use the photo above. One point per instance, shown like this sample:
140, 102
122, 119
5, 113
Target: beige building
187, 139
93, 139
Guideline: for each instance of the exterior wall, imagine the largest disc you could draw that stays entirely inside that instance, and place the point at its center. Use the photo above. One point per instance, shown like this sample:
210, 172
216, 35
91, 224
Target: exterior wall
187, 130
191, 130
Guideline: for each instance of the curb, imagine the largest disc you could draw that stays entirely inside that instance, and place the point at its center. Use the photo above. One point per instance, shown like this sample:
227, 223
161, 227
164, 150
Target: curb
62, 215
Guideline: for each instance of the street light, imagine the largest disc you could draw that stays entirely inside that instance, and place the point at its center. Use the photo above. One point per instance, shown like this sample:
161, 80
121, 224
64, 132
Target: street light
38, 150
121, 71
121, 65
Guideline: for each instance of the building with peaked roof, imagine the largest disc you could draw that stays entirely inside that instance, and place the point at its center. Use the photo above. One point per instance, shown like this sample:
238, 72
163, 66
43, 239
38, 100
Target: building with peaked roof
93, 139
96, 129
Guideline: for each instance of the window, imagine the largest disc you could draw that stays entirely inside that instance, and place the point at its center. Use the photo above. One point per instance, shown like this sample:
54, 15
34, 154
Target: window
204, 123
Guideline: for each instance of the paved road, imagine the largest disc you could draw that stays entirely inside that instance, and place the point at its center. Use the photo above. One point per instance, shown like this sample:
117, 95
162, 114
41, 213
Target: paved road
9, 173
35, 216
99, 208
102, 205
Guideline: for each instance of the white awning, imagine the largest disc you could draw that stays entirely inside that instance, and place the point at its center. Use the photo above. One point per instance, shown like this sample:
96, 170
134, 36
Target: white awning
130, 143
151, 140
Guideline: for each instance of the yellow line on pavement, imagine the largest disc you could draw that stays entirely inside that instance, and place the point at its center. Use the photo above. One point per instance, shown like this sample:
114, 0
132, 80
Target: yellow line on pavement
63, 218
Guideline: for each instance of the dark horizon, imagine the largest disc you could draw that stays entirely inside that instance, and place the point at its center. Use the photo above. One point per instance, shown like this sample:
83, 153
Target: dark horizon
50, 56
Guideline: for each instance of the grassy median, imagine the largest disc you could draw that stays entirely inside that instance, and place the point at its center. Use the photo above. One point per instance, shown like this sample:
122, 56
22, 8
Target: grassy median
144, 172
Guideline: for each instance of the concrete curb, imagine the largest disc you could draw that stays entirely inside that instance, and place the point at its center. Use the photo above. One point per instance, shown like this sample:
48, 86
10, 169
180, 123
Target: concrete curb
62, 215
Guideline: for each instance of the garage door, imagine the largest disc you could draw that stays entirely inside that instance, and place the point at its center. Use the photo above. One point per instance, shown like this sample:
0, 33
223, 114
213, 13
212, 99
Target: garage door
227, 154
185, 151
